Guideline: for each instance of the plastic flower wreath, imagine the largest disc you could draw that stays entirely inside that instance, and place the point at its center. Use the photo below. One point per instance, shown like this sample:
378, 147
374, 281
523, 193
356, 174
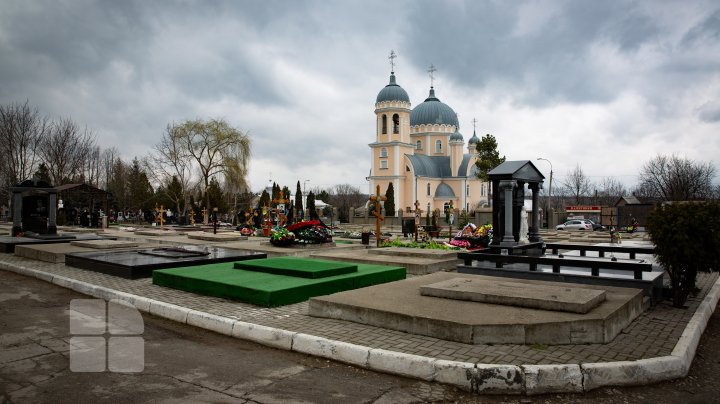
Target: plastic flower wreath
281, 237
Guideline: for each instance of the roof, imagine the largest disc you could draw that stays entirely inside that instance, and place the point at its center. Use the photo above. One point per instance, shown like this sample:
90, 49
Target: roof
462, 171
474, 139
80, 188
444, 191
433, 111
523, 170
392, 92
457, 135
628, 200
430, 166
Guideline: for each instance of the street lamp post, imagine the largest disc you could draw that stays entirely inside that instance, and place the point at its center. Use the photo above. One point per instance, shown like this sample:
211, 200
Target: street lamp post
547, 214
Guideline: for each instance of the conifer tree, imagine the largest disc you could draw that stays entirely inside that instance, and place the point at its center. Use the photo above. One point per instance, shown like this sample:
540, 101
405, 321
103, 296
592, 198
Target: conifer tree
390, 200
488, 158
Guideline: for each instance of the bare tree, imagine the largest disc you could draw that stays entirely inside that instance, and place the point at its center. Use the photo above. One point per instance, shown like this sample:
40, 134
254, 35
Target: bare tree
107, 165
91, 167
65, 150
577, 184
170, 159
676, 179
345, 196
609, 190
21, 132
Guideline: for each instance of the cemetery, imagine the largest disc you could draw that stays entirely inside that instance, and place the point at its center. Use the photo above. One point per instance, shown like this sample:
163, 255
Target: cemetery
503, 283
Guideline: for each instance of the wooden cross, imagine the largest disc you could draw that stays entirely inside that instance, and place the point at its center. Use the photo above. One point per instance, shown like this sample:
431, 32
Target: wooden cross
284, 201
159, 216
450, 214
378, 217
417, 218
192, 217
205, 218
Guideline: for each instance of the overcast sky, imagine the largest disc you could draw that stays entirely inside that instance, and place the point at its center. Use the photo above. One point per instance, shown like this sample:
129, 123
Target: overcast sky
603, 84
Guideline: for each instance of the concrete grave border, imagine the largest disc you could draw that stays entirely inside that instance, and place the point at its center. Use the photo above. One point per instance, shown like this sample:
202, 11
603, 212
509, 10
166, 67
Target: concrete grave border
475, 377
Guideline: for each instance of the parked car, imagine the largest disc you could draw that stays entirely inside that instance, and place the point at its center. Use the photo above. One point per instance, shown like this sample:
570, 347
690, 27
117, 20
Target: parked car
595, 226
577, 224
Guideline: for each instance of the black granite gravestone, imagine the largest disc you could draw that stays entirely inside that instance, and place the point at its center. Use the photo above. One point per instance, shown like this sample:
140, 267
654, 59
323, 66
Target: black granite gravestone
141, 263
34, 208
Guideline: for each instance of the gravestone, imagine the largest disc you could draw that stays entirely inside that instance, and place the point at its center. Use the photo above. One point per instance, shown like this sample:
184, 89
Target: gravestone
34, 208
508, 184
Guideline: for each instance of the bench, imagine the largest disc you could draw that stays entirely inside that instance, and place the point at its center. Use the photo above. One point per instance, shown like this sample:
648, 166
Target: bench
601, 249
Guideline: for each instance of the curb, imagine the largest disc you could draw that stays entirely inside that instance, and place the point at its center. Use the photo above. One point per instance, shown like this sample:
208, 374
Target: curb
475, 377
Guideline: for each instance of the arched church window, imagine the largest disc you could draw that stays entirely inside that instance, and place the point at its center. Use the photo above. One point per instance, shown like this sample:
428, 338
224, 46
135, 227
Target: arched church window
438, 146
396, 123
384, 124
418, 145
428, 189
383, 152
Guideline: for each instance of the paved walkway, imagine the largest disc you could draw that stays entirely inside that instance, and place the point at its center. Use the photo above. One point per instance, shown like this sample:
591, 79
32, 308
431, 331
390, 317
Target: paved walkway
654, 334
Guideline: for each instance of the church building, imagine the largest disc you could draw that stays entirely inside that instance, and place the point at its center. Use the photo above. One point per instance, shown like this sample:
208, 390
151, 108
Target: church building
422, 152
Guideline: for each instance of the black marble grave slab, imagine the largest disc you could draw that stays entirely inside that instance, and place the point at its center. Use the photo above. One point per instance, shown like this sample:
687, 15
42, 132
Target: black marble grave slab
8, 243
141, 263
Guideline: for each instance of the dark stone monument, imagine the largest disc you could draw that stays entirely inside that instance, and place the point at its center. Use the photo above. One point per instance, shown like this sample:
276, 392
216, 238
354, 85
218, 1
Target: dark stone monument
135, 264
34, 208
508, 182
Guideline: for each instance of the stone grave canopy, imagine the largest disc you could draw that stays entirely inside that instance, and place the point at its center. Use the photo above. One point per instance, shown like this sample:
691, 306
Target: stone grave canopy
508, 182
34, 207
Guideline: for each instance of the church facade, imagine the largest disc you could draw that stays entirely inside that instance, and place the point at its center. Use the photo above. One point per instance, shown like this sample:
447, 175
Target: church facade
422, 153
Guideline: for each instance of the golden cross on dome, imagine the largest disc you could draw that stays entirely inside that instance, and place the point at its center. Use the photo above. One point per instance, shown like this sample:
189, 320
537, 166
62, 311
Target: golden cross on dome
392, 57
432, 71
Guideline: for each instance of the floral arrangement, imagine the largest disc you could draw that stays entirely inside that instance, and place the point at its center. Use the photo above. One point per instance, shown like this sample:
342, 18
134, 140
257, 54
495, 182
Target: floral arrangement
472, 237
281, 237
247, 231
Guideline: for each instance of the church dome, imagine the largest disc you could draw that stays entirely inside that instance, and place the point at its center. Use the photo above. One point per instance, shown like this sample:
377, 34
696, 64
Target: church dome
433, 111
457, 135
392, 92
474, 139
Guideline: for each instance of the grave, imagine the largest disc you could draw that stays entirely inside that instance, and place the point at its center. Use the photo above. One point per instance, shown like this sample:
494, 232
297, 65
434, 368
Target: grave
55, 253
141, 263
8, 243
417, 261
216, 236
34, 208
275, 281
402, 306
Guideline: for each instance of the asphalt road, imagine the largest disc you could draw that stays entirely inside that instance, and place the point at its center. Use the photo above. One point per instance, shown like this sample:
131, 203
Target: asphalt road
187, 364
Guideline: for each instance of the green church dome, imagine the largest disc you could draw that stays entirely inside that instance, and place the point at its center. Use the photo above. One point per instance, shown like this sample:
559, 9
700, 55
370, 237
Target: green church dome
432, 111
392, 92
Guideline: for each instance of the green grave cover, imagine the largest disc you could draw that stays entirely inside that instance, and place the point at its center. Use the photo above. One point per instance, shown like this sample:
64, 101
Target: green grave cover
270, 289
301, 267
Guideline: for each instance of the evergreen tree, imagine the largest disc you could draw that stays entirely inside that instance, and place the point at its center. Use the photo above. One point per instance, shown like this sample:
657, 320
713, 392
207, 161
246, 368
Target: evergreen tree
286, 194
488, 158
298, 199
43, 174
323, 196
216, 197
390, 200
264, 199
311, 206
141, 194
275, 191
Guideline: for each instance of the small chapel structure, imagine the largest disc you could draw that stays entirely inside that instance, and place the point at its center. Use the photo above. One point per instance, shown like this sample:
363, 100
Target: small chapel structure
422, 153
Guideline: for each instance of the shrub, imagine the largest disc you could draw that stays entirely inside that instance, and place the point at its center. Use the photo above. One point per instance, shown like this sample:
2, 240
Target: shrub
687, 240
